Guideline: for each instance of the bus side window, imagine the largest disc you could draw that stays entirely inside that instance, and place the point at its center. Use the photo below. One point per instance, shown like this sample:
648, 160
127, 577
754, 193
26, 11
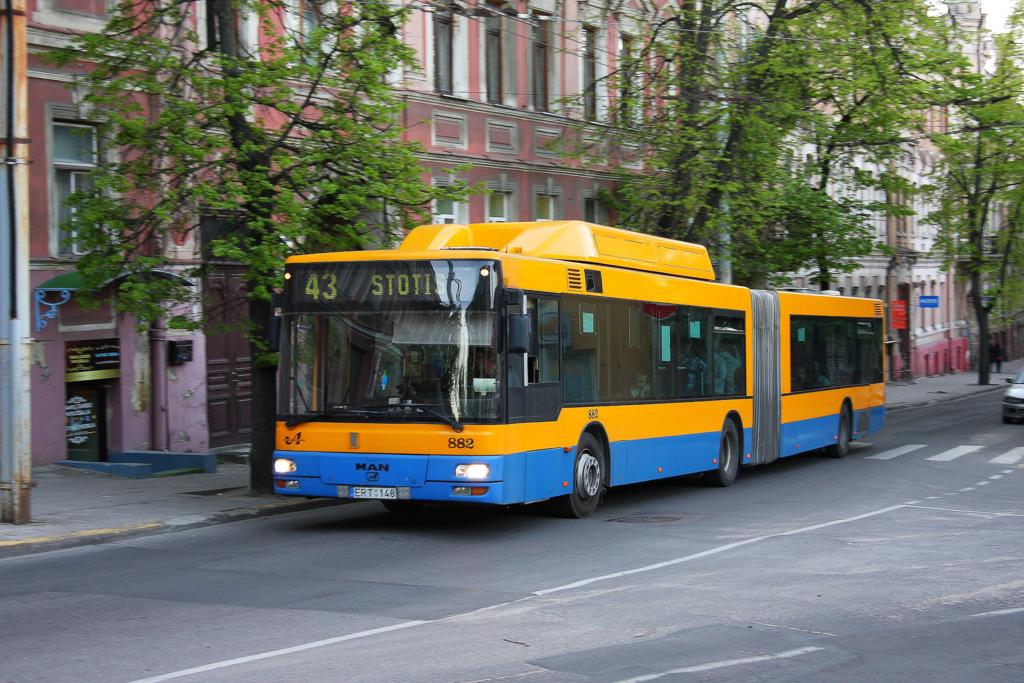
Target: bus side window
579, 352
542, 360
729, 356
693, 371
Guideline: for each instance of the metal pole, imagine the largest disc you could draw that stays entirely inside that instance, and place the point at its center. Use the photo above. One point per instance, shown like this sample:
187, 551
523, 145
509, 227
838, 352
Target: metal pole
16, 443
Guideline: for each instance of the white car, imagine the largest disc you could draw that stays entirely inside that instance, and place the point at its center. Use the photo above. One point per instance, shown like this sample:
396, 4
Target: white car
1013, 400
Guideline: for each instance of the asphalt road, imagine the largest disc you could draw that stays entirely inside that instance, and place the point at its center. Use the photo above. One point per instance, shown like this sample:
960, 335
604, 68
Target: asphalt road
902, 562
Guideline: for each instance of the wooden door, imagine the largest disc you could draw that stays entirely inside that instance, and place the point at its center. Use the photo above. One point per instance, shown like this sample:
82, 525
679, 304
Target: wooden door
228, 361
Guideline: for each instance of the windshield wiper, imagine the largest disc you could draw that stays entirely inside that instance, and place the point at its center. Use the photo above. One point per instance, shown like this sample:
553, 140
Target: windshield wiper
430, 409
298, 418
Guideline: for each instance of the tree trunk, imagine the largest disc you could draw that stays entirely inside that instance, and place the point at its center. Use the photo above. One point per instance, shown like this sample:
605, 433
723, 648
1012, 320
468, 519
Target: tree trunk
981, 315
264, 399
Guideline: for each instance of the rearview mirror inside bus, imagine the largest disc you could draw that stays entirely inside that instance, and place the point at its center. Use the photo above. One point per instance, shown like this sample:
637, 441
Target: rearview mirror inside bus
519, 333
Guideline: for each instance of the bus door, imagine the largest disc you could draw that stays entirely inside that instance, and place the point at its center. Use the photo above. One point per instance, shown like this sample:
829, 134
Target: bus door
534, 387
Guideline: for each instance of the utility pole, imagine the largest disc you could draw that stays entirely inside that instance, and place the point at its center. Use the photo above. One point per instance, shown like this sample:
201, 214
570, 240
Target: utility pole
15, 309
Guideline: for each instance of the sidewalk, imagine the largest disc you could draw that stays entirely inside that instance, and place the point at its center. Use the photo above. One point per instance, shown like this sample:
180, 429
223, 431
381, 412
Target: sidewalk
925, 391
73, 507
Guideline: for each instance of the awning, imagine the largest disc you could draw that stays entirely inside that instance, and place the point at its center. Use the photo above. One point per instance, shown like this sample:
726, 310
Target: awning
66, 283
72, 281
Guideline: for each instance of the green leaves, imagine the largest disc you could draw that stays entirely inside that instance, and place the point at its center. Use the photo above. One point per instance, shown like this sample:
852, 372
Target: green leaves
767, 123
292, 142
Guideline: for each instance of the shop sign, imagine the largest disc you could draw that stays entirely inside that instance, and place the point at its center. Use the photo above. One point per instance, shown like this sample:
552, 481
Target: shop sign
92, 359
898, 314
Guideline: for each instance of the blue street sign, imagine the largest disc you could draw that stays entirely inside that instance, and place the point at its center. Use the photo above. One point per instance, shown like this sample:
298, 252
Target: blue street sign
928, 301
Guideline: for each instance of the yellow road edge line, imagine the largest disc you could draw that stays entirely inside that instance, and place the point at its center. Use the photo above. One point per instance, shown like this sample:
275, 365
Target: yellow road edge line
85, 533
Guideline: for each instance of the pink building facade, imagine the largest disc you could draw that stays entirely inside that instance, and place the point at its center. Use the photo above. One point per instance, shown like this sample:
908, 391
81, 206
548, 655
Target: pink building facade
501, 87
497, 90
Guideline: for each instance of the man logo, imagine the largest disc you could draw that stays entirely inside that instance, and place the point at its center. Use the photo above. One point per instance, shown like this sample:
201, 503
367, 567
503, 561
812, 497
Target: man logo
372, 476
372, 467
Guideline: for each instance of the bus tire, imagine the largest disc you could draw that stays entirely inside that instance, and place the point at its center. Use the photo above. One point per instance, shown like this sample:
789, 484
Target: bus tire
842, 445
728, 457
589, 473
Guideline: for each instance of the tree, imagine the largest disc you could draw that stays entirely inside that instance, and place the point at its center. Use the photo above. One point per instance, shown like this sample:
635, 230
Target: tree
763, 118
981, 184
295, 143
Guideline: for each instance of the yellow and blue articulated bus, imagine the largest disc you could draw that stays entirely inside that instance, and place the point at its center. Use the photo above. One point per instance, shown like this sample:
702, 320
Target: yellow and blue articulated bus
519, 362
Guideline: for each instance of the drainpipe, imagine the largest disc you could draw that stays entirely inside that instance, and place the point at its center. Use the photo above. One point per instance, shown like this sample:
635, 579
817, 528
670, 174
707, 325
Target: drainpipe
158, 367
15, 335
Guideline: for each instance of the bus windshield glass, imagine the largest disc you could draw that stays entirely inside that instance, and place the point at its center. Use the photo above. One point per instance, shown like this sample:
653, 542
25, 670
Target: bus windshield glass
387, 341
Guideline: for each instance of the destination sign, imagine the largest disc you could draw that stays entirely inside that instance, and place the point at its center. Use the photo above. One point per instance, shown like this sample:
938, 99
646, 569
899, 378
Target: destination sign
382, 284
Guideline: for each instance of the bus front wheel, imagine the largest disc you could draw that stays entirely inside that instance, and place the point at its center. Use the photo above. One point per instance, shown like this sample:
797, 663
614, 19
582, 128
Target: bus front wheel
728, 457
588, 478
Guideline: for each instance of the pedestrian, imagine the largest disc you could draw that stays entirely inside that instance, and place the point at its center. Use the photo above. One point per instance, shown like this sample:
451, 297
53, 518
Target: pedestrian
995, 355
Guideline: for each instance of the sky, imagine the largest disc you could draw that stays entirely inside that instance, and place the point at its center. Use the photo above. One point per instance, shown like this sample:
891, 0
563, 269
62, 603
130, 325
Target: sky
997, 11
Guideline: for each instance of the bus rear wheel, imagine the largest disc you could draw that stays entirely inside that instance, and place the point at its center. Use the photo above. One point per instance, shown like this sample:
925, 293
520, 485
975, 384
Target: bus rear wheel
588, 480
842, 445
728, 457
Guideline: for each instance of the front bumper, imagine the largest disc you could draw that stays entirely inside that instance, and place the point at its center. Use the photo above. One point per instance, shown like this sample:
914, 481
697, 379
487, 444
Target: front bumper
1013, 410
514, 478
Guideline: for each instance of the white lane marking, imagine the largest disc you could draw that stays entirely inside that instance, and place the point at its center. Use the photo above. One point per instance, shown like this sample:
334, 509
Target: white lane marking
788, 654
277, 653
970, 512
983, 483
954, 453
996, 476
1007, 471
999, 612
1010, 457
794, 628
711, 551
966, 489
896, 452
547, 591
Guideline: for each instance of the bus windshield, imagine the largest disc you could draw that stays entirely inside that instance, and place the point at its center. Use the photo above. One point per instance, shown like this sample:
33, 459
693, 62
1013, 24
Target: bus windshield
387, 341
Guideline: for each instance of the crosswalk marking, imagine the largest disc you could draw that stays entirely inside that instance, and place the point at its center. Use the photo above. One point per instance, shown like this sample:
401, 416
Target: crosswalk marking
954, 453
1010, 457
896, 452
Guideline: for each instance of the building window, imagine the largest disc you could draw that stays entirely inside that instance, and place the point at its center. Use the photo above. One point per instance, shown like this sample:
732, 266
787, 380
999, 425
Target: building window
626, 66
594, 211
541, 53
443, 54
445, 211
74, 156
590, 73
244, 24
497, 207
308, 12
494, 58
545, 207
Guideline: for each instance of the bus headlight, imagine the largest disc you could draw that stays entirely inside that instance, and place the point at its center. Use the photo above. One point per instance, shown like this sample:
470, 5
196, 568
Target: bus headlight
284, 466
475, 471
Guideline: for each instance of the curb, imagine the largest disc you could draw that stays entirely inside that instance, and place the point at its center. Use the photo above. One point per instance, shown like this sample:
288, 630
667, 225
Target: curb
897, 407
43, 544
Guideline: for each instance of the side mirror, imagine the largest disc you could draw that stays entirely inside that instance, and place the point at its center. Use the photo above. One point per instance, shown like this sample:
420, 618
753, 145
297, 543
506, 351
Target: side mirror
1009, 380
519, 333
274, 324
